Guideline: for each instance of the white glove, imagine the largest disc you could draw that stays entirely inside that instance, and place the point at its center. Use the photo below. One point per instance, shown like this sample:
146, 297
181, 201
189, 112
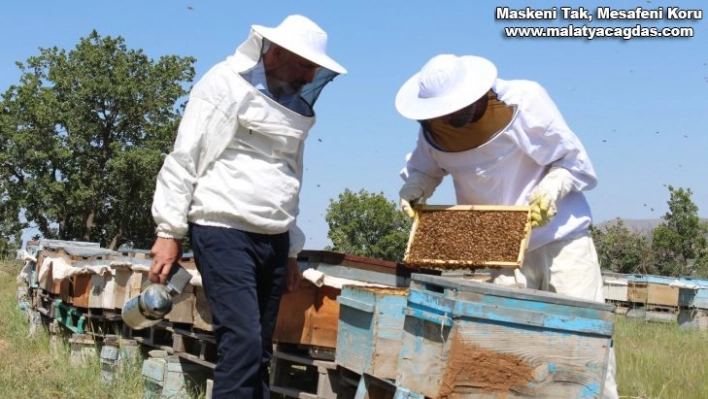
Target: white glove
552, 188
411, 195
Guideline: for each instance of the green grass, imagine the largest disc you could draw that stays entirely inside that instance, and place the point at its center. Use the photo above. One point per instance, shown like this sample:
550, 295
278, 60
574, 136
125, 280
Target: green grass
654, 360
29, 369
657, 360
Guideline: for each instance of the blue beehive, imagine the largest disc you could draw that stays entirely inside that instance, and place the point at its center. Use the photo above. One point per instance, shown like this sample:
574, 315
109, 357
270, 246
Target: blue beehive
370, 329
471, 339
693, 293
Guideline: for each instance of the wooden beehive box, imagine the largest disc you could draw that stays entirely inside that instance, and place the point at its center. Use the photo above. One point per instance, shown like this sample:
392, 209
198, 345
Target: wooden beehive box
309, 316
122, 276
370, 329
136, 282
615, 288
129, 275
693, 293
468, 236
652, 290
87, 289
467, 339
59, 287
661, 294
47, 284
637, 289
82, 290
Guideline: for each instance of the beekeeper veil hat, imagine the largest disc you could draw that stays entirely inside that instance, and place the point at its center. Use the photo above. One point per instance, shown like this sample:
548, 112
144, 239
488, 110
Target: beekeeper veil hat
447, 83
299, 35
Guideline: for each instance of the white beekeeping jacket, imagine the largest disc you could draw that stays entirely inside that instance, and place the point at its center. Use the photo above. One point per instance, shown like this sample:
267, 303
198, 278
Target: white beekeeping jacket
505, 169
238, 158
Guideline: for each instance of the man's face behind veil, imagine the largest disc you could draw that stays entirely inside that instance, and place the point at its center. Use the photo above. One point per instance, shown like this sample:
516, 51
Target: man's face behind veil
289, 72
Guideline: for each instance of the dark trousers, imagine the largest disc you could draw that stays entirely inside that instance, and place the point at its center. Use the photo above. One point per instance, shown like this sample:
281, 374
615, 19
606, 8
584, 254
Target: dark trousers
243, 275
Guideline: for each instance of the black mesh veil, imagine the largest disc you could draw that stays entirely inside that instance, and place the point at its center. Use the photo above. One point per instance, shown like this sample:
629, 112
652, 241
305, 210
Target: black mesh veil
311, 91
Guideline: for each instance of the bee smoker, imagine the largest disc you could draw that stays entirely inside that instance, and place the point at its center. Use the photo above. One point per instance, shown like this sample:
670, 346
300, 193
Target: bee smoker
155, 301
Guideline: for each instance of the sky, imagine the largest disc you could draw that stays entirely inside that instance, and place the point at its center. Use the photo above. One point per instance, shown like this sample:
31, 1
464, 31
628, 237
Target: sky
637, 105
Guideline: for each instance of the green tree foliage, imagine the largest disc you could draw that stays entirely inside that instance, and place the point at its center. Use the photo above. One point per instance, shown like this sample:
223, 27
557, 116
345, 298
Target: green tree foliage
7, 249
679, 244
82, 137
620, 250
367, 224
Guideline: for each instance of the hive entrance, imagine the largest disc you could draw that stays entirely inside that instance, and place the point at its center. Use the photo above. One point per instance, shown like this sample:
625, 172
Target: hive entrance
457, 237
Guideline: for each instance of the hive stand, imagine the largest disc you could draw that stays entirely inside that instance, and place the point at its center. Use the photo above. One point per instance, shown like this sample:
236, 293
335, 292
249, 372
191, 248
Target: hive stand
369, 387
194, 346
296, 374
69, 316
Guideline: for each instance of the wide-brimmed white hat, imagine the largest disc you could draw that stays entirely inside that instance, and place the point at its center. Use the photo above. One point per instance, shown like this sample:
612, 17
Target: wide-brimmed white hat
304, 38
447, 83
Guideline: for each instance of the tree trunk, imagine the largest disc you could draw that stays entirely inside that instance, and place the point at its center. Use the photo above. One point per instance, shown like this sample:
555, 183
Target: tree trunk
88, 224
114, 241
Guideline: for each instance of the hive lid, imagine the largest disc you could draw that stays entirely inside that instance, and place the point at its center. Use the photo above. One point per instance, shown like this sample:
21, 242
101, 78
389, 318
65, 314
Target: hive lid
338, 258
353, 267
533, 297
448, 237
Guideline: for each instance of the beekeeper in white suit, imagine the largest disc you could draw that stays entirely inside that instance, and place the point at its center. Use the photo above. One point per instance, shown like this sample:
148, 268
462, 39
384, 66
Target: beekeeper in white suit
504, 142
232, 182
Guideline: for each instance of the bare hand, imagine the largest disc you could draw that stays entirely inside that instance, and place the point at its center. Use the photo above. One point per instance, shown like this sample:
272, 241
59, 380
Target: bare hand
294, 275
165, 252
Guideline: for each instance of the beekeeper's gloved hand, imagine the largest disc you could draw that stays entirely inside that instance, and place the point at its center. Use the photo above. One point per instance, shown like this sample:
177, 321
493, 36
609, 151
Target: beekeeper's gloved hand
411, 195
551, 189
543, 207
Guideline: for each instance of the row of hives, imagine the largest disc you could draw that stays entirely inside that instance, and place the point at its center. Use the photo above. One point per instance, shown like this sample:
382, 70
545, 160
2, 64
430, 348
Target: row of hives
683, 300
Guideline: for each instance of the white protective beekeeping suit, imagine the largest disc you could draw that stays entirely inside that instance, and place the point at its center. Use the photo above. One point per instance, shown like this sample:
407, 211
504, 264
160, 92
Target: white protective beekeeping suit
233, 131
534, 158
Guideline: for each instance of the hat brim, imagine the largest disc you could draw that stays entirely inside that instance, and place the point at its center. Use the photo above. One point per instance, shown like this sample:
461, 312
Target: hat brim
480, 75
288, 43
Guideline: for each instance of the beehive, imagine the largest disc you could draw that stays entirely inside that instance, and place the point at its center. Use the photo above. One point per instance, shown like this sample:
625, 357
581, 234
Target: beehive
467, 339
693, 293
309, 315
614, 287
652, 290
468, 236
370, 329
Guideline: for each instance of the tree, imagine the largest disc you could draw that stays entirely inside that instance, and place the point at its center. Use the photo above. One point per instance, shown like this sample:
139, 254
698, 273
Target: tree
680, 241
367, 224
82, 137
620, 250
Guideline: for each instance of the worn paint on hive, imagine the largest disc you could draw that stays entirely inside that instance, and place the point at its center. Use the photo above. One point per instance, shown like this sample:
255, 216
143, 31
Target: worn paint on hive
473, 367
467, 238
